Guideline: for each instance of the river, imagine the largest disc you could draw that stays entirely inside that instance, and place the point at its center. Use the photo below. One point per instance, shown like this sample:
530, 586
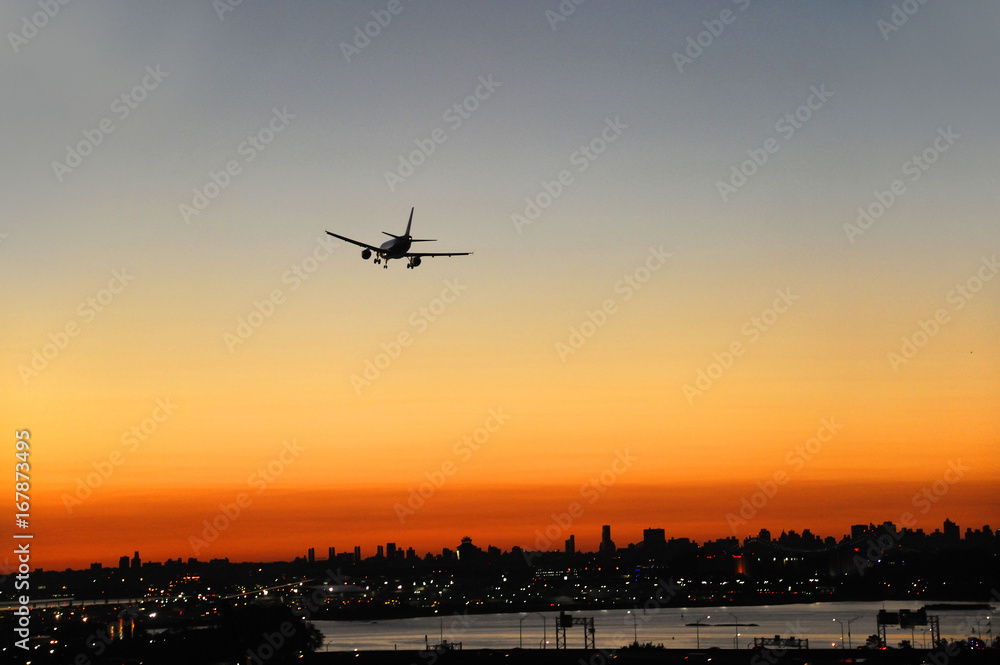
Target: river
823, 624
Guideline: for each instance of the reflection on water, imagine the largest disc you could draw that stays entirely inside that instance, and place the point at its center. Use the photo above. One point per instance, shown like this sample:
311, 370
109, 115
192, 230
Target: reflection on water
821, 623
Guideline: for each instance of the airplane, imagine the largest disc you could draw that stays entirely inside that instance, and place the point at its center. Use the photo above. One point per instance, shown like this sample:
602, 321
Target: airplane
397, 248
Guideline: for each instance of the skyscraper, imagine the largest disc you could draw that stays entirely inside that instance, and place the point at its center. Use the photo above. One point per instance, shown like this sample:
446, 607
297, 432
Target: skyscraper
607, 545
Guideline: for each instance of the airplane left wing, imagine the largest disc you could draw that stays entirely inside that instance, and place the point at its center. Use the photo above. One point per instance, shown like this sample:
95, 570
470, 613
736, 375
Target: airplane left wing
422, 254
354, 242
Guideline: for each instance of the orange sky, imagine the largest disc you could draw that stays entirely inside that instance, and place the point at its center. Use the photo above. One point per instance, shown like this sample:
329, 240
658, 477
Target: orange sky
282, 524
165, 363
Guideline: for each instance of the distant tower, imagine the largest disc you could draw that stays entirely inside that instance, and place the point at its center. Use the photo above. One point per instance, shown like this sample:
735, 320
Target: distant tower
390, 550
654, 538
607, 545
312, 555
357, 553
951, 532
136, 561
571, 544
380, 552
764, 536
467, 551
123, 562
331, 553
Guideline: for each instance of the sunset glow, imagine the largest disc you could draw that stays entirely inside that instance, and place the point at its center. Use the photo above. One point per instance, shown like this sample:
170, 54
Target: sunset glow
652, 347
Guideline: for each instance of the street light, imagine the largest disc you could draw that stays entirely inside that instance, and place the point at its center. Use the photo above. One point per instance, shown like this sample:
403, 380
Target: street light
736, 639
841, 633
849, 631
520, 623
635, 630
545, 636
697, 634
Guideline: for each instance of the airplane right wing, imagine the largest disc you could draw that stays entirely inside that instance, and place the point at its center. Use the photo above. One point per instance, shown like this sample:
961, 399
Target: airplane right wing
409, 254
354, 242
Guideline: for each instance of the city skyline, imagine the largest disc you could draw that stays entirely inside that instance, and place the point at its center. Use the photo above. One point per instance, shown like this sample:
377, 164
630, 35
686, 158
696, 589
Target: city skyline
734, 267
883, 535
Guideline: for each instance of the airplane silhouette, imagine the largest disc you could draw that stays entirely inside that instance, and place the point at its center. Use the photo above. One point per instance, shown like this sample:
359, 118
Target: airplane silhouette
397, 248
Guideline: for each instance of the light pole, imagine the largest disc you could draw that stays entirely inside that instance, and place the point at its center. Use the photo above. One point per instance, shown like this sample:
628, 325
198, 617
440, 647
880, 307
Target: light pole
849, 631
635, 629
520, 624
545, 635
697, 633
736, 638
841, 633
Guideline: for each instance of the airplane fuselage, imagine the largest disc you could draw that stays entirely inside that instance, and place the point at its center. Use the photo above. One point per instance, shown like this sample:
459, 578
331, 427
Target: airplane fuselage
395, 248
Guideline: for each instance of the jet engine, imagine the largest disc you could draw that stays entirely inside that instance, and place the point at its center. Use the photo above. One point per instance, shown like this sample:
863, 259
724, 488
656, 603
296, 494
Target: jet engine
366, 254
414, 262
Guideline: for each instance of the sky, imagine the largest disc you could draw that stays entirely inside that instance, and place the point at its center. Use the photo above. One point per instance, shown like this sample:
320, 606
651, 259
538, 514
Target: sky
735, 267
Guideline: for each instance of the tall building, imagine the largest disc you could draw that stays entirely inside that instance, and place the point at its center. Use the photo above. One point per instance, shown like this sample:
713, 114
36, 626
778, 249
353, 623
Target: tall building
607, 545
123, 562
467, 551
654, 538
390, 550
571, 544
357, 553
331, 553
952, 534
137, 562
312, 555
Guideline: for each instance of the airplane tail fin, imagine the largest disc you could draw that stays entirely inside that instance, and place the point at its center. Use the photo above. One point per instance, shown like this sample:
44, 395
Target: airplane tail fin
407, 234
408, 223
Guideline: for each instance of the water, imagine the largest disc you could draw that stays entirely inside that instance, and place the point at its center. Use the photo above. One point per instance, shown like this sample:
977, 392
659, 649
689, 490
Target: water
820, 623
